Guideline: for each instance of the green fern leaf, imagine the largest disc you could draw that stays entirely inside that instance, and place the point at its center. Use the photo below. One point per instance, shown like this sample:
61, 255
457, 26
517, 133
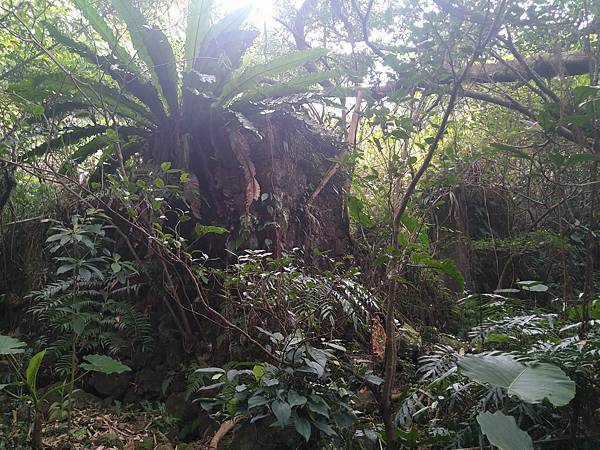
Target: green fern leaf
129, 81
231, 22
153, 48
103, 29
71, 137
87, 150
197, 26
296, 85
251, 76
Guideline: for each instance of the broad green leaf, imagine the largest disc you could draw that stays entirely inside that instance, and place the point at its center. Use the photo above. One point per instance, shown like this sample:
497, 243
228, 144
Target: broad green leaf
164, 65
103, 364
533, 286
32, 370
135, 22
409, 438
583, 92
503, 432
356, 211
251, 76
79, 323
324, 427
412, 223
98, 23
282, 411
581, 157
295, 399
302, 427
88, 92
318, 405
11, 346
257, 400
373, 379
532, 382
199, 13
258, 371
130, 82
581, 120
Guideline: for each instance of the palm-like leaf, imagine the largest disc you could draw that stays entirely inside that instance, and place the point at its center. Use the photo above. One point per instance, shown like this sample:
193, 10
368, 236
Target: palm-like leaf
81, 93
73, 136
231, 22
251, 76
104, 30
129, 82
154, 49
198, 21
212, 55
296, 85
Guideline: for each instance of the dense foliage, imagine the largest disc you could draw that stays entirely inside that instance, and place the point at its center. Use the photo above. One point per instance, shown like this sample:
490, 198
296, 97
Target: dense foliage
351, 224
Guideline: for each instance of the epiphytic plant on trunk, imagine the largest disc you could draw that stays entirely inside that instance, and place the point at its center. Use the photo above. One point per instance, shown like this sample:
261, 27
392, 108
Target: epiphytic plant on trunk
140, 104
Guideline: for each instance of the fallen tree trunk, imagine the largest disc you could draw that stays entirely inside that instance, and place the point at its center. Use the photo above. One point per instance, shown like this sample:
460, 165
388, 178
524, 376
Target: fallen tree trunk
548, 66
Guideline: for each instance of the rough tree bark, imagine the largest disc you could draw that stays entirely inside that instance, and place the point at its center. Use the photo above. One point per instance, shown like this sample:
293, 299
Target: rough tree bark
257, 184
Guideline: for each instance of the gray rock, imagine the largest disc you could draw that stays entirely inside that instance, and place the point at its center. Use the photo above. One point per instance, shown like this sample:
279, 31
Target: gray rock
148, 383
114, 385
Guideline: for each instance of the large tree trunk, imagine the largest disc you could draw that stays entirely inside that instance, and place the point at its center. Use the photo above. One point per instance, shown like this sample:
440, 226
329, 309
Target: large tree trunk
256, 181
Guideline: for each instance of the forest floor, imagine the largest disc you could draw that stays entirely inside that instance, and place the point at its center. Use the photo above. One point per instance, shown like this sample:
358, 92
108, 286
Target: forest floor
99, 427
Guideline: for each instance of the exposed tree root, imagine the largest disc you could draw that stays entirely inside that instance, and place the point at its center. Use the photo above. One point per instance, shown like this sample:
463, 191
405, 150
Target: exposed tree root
225, 428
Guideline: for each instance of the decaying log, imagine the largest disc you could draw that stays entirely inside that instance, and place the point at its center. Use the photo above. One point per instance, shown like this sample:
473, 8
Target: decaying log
547, 66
